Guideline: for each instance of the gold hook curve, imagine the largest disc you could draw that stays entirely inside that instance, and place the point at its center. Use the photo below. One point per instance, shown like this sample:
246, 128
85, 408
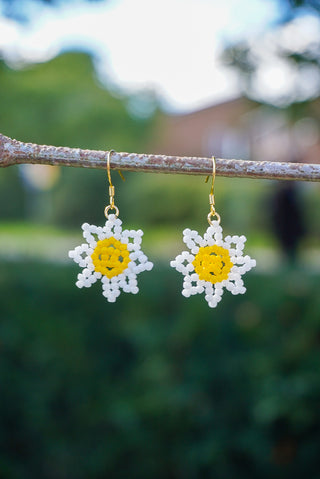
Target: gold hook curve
212, 212
111, 206
108, 168
213, 174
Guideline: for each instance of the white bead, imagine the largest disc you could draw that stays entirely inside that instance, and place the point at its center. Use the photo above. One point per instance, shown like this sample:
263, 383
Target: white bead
133, 282
212, 304
135, 269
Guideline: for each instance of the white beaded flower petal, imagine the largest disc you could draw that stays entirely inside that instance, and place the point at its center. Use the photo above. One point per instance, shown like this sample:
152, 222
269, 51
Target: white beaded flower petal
111, 255
213, 264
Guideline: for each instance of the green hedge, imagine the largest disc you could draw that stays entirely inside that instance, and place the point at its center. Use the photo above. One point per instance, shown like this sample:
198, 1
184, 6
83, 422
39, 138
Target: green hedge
156, 385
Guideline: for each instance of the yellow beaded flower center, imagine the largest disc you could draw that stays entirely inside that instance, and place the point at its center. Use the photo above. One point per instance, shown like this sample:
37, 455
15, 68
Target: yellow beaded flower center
110, 257
212, 263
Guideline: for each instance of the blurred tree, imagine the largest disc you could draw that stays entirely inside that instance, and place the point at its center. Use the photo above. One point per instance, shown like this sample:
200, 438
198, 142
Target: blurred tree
23, 10
282, 68
61, 103
291, 8
287, 48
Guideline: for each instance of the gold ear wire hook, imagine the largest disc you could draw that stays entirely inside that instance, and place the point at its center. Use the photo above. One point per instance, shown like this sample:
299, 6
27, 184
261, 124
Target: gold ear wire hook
121, 175
111, 187
108, 168
211, 195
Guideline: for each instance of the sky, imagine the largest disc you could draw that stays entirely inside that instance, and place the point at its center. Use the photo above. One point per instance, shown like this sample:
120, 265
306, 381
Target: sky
171, 47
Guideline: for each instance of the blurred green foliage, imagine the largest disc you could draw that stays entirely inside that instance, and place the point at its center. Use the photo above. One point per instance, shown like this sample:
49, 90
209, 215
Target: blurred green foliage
156, 385
62, 103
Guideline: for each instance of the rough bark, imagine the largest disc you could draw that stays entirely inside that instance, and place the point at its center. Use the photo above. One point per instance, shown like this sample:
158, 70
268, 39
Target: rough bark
13, 152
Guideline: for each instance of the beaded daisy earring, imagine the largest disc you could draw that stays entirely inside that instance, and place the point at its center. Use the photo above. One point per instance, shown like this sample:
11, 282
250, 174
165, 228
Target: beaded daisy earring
110, 254
214, 263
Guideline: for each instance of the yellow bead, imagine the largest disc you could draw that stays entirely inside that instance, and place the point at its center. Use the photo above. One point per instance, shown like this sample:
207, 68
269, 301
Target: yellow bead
212, 263
110, 257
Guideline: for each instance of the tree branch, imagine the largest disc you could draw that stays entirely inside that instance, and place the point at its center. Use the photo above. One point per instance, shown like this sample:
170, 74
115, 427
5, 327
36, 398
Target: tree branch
13, 152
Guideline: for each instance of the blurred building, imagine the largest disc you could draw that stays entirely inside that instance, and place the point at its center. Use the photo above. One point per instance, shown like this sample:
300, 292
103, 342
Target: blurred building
242, 128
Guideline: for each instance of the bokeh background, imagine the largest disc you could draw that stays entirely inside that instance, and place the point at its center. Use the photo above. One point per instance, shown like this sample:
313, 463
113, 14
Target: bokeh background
157, 385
